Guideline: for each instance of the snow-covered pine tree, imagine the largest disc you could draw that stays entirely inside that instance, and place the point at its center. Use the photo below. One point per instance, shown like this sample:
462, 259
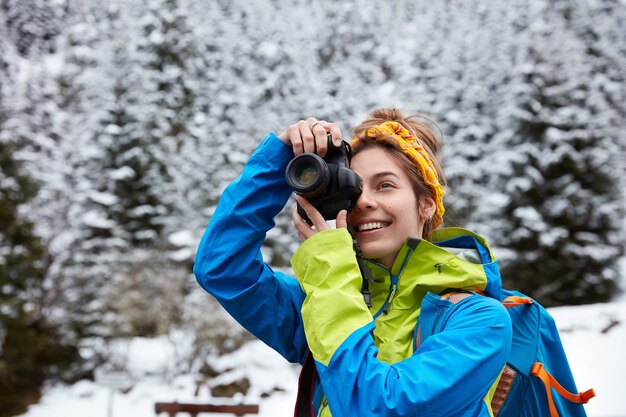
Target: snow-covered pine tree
151, 120
22, 269
221, 131
81, 240
564, 209
154, 98
598, 26
31, 349
466, 76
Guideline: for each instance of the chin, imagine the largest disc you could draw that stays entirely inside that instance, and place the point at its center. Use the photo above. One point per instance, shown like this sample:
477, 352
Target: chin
374, 250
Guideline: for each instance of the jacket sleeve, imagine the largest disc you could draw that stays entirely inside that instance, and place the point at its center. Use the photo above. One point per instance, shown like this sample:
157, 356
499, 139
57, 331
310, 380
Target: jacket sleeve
449, 374
229, 264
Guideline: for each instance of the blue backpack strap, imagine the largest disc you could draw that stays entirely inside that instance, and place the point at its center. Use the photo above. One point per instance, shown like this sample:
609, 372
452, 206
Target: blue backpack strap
526, 323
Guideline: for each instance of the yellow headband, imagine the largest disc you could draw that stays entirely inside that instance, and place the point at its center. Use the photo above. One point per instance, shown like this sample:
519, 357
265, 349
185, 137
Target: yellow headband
415, 151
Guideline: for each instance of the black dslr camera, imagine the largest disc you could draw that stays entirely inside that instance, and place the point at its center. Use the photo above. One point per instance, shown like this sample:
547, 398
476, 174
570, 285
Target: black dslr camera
326, 182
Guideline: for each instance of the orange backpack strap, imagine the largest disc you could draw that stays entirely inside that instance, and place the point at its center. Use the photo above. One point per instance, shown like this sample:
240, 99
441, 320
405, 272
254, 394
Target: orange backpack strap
515, 300
549, 382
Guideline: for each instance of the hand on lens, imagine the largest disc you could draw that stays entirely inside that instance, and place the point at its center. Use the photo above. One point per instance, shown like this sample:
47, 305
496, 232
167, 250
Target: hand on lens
305, 231
310, 136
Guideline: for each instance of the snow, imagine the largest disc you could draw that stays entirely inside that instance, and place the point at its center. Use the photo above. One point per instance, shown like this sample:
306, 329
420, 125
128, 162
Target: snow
182, 255
265, 369
594, 337
105, 199
183, 238
93, 219
123, 173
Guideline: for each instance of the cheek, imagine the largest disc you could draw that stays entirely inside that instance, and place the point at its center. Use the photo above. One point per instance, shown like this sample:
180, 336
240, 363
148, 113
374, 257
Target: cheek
403, 208
406, 215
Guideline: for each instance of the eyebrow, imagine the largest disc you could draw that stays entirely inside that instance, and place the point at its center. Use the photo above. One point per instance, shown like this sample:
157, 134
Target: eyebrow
384, 174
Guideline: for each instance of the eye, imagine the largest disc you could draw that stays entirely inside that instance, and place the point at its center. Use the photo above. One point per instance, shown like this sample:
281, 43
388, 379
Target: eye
385, 184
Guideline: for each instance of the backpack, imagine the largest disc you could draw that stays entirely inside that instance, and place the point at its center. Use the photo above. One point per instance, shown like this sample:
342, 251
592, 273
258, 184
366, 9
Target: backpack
537, 366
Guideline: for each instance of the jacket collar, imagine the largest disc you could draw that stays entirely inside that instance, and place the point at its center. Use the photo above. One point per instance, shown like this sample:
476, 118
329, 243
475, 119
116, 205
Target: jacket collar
428, 264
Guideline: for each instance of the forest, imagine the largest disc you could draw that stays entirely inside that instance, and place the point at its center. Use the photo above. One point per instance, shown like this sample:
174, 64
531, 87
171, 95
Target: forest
122, 121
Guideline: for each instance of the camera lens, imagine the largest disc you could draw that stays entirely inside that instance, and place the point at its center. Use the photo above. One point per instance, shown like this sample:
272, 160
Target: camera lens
307, 175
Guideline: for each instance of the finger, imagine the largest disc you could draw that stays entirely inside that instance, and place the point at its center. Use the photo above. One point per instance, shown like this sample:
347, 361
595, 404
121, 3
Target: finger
285, 137
313, 214
302, 227
321, 137
295, 139
342, 219
308, 139
298, 221
334, 130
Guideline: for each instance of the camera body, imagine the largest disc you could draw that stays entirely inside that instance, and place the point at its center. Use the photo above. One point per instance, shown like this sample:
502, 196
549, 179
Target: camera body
327, 183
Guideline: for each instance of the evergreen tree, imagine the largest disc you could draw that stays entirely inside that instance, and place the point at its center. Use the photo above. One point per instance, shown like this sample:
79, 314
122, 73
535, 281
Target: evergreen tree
30, 348
80, 270
167, 65
564, 206
467, 80
118, 175
222, 131
598, 26
22, 270
148, 123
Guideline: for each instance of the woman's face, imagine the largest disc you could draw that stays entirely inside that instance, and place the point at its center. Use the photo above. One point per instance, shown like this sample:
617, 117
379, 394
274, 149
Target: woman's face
386, 213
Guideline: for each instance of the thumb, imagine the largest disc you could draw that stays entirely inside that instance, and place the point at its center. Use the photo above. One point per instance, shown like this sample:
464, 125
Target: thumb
342, 221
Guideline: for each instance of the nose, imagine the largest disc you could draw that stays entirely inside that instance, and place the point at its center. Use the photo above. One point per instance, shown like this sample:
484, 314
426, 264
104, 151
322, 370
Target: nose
365, 202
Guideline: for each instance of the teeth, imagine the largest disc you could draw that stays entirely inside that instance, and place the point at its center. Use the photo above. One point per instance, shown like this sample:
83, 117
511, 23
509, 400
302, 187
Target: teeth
371, 226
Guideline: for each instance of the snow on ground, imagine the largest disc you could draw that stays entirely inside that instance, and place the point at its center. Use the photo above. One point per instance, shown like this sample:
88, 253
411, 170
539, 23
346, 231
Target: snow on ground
267, 371
594, 337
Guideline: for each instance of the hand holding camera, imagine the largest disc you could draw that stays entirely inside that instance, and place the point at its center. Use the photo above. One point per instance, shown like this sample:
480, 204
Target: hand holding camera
321, 173
327, 183
310, 136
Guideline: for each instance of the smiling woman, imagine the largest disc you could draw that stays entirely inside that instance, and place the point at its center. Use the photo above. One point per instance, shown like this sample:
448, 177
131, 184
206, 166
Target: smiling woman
364, 359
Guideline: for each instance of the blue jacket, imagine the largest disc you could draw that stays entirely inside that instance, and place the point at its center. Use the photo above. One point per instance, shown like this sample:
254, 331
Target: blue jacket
369, 361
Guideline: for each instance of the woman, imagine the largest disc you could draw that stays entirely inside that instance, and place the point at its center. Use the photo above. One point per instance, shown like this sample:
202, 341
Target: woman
420, 349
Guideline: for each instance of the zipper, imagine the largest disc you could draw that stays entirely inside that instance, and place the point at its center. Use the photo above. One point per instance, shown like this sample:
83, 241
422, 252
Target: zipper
392, 293
393, 287
384, 308
417, 331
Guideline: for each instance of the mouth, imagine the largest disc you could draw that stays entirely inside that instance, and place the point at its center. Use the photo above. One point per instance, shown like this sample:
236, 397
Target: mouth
371, 226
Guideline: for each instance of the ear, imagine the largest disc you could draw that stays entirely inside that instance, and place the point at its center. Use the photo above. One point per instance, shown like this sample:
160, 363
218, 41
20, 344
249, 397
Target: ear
427, 208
